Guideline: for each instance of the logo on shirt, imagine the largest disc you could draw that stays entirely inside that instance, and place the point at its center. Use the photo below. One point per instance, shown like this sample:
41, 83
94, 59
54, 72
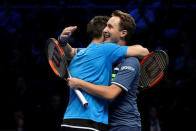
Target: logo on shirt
116, 69
127, 68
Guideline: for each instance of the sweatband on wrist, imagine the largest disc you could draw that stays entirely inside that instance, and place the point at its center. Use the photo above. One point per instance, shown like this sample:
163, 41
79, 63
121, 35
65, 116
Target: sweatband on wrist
63, 43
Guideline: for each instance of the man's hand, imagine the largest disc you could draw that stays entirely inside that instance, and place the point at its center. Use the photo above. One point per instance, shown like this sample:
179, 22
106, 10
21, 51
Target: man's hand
67, 32
74, 82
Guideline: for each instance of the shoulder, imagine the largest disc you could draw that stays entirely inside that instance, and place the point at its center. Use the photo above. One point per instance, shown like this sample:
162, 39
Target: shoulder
113, 46
109, 44
132, 60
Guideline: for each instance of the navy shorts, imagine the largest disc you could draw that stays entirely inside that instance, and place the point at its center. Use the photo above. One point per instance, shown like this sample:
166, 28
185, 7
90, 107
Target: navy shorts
124, 128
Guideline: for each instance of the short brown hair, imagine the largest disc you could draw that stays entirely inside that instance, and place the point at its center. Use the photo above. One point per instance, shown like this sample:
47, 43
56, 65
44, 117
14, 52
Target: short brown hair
96, 25
126, 23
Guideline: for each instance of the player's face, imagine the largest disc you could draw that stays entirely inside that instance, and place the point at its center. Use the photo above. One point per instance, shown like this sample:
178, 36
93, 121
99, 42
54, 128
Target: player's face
111, 31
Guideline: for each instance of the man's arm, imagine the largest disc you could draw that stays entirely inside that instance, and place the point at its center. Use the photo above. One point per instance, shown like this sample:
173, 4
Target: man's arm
106, 92
137, 50
69, 51
64, 36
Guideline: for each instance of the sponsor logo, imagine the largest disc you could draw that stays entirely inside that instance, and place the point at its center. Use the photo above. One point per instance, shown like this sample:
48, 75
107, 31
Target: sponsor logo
127, 68
116, 69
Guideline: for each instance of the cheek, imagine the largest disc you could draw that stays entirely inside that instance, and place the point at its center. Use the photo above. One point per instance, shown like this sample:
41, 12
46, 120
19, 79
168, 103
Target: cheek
113, 32
116, 34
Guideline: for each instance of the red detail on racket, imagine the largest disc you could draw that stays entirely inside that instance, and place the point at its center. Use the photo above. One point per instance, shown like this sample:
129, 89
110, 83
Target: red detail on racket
152, 68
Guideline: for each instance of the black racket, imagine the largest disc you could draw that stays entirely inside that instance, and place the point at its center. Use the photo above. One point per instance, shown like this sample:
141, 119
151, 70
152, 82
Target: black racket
58, 63
152, 68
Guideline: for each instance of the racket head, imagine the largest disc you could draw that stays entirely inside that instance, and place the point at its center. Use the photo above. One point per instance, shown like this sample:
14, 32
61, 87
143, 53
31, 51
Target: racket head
152, 68
56, 58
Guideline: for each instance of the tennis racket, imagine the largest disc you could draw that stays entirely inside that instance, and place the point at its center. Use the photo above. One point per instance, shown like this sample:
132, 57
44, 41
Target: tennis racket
58, 63
152, 68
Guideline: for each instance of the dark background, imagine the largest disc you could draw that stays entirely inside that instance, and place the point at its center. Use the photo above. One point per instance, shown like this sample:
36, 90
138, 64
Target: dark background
33, 98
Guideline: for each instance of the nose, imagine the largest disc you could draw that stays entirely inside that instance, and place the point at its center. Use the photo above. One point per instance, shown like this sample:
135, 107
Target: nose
105, 30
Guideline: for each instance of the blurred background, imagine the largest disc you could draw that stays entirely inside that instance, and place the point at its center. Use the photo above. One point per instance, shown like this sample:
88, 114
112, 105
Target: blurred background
33, 98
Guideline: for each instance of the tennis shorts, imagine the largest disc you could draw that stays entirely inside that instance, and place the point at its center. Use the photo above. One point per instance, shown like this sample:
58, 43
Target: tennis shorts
82, 125
124, 128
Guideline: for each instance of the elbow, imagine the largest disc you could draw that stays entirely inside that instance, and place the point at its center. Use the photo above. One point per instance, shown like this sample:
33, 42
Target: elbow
110, 97
69, 57
113, 92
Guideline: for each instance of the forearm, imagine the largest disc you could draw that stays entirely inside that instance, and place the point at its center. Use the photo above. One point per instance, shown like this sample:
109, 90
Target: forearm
64, 41
137, 50
69, 51
106, 92
96, 90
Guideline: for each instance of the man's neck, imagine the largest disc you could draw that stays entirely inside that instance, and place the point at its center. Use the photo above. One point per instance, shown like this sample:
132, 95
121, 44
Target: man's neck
122, 43
98, 41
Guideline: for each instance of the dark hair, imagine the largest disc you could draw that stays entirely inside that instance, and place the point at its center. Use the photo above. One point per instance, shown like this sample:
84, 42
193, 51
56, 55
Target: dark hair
126, 23
96, 25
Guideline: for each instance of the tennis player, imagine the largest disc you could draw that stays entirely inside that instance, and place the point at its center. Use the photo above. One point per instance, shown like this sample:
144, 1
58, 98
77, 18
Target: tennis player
94, 64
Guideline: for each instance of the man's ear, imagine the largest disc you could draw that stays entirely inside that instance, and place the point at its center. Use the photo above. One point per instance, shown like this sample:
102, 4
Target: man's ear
123, 33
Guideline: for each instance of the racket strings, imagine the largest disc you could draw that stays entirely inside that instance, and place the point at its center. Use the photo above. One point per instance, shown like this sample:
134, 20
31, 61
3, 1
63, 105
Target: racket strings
57, 58
152, 68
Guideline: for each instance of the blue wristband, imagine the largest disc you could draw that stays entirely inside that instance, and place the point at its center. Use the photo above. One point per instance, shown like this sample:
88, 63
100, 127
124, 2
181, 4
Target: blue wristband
63, 43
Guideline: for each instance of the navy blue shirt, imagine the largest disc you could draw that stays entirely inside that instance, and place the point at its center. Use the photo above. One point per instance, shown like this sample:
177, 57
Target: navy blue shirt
123, 110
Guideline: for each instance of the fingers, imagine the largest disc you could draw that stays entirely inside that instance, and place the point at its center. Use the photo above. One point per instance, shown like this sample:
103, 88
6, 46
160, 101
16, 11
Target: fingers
70, 83
73, 28
67, 32
73, 82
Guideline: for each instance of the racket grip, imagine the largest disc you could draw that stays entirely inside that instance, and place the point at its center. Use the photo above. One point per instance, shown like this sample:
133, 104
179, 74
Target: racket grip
78, 93
81, 97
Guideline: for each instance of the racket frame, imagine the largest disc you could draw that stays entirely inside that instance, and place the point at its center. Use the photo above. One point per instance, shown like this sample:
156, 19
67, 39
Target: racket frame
77, 91
162, 73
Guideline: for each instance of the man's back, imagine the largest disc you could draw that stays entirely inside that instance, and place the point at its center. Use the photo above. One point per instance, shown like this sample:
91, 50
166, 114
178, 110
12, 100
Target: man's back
93, 64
